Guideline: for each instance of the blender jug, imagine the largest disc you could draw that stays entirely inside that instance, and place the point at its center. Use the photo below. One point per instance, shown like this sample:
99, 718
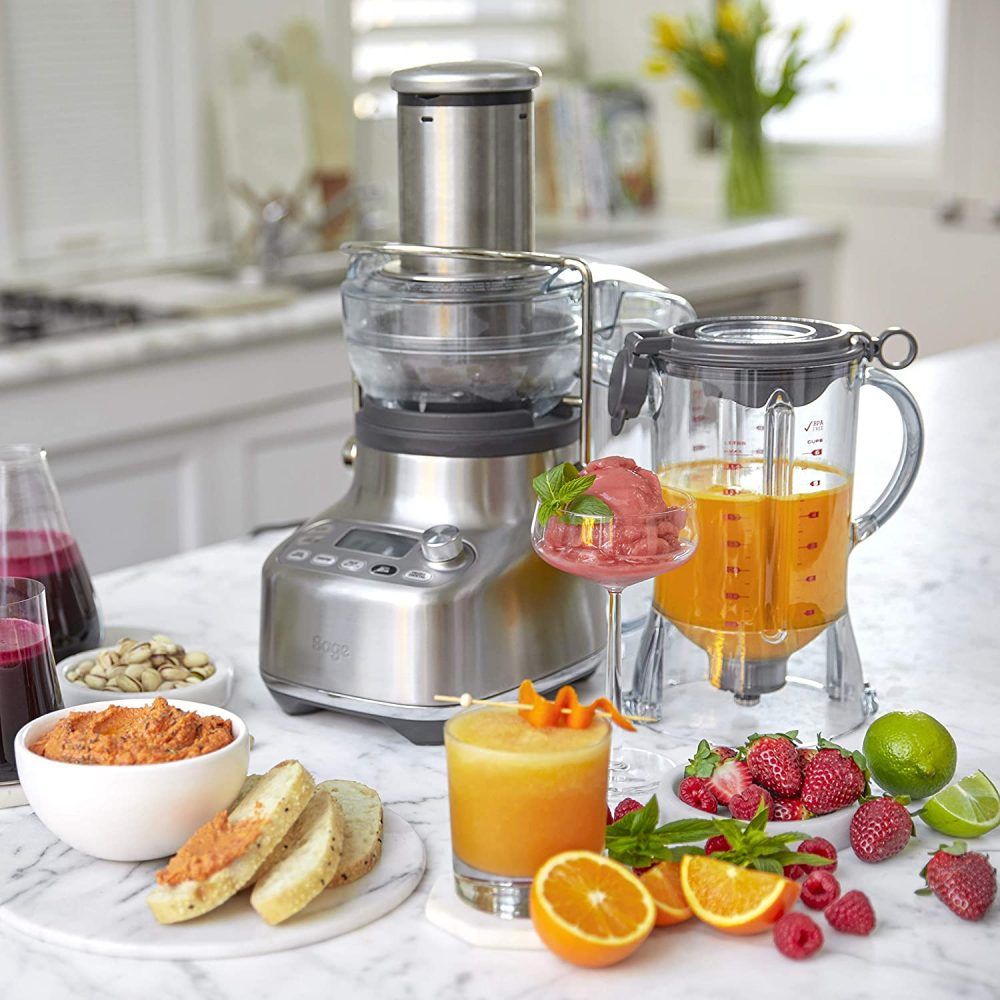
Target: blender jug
757, 419
35, 542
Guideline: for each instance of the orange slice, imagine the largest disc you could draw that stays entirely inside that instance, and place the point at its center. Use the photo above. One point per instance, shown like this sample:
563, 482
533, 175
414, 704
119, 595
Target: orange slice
664, 884
734, 899
590, 910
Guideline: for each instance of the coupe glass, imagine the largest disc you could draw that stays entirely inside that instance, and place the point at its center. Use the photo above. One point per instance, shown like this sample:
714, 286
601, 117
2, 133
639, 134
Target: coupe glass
617, 551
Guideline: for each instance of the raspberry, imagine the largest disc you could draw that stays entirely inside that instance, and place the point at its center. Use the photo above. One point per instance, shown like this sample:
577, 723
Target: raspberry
822, 847
797, 936
851, 914
695, 792
744, 805
716, 844
625, 807
819, 889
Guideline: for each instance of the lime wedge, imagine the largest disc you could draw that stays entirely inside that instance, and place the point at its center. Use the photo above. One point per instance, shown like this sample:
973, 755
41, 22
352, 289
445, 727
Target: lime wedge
969, 808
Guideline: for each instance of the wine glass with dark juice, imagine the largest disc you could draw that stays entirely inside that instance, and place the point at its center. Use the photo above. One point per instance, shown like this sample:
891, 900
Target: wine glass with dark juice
28, 684
36, 543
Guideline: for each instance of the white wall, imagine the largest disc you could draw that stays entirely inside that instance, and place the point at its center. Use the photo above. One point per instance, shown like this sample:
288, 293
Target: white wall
900, 264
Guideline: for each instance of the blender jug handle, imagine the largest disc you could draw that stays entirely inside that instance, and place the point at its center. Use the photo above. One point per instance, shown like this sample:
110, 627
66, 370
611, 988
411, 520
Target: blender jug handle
909, 459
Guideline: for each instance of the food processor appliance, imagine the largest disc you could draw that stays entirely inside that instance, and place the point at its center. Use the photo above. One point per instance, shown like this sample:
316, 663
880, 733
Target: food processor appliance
478, 364
756, 417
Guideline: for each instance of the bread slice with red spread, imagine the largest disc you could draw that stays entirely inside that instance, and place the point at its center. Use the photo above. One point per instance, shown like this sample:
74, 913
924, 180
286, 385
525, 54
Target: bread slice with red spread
226, 853
304, 863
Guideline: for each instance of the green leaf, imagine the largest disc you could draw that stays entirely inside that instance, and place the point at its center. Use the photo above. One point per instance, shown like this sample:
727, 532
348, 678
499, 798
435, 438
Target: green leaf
759, 820
572, 488
704, 761
815, 860
767, 865
925, 891
588, 506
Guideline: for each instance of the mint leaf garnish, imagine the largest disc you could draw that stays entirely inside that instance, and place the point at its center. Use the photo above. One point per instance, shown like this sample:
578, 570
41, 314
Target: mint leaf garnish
562, 491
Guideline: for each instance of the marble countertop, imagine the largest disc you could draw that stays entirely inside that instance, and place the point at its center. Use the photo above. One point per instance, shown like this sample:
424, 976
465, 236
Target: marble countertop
923, 596
637, 244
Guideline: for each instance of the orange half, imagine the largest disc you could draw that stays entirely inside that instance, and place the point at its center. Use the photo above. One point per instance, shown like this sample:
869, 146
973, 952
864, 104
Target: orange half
734, 899
664, 884
590, 910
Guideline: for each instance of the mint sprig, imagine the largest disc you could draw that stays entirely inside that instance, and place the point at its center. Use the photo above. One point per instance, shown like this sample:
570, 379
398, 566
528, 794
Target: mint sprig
637, 841
704, 761
562, 490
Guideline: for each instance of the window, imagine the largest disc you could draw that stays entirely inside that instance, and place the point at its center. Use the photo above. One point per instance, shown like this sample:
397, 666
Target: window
888, 74
390, 34
98, 136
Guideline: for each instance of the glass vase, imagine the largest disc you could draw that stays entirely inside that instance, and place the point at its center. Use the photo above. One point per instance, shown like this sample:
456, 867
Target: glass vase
749, 182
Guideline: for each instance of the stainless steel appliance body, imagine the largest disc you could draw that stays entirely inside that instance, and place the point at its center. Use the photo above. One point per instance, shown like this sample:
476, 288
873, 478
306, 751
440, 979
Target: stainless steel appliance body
473, 360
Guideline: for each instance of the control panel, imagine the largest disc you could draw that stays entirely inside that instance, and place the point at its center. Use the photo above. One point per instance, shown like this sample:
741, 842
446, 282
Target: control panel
416, 559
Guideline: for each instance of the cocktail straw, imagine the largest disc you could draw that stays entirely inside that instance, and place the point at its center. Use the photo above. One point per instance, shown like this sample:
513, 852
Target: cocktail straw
465, 700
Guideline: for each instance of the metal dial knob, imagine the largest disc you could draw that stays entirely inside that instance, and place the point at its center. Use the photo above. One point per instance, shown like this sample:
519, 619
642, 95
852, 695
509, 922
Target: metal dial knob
442, 543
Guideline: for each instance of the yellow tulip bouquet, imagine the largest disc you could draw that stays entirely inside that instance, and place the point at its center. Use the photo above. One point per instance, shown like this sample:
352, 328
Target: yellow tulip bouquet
722, 59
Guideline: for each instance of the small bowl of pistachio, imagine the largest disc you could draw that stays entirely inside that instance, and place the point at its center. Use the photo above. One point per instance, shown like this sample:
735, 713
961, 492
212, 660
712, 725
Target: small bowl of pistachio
141, 664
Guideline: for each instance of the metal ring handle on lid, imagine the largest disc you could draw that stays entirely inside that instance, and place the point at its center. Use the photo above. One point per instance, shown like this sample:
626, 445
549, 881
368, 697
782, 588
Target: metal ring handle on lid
884, 337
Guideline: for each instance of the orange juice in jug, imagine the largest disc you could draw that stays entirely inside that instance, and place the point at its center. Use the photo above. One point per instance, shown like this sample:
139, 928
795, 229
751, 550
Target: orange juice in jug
770, 572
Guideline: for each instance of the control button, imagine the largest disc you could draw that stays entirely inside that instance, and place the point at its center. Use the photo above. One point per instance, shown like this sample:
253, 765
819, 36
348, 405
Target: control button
384, 569
298, 554
419, 575
442, 543
324, 559
352, 565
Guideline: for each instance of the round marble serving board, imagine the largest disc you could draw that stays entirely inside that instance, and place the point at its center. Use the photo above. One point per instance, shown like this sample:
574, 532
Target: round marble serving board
446, 910
11, 795
55, 894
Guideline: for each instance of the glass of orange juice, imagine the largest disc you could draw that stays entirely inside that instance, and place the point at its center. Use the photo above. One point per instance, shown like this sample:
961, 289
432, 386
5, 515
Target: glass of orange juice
519, 795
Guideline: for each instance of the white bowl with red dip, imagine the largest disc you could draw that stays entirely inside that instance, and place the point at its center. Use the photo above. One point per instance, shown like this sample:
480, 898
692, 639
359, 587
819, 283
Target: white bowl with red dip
148, 782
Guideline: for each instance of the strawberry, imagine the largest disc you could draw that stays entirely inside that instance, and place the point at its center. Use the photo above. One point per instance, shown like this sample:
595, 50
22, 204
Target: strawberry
797, 936
725, 753
786, 810
964, 881
819, 889
744, 805
822, 847
806, 754
696, 792
880, 829
774, 763
851, 914
833, 779
716, 844
625, 807
608, 818
728, 779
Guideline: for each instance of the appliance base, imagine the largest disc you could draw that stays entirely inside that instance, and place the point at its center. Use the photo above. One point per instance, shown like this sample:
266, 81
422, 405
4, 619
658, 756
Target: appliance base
422, 725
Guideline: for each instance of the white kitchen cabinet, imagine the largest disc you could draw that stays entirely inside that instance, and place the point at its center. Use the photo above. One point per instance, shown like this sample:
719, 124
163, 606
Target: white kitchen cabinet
243, 454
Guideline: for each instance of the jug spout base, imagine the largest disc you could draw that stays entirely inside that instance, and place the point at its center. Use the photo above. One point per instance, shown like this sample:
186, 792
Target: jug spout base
748, 679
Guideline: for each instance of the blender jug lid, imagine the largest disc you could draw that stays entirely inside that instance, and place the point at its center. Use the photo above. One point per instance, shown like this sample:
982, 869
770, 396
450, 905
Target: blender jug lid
746, 358
767, 342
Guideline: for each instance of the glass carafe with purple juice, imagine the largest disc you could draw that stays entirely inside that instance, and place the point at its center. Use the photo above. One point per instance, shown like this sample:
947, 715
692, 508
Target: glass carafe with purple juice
35, 542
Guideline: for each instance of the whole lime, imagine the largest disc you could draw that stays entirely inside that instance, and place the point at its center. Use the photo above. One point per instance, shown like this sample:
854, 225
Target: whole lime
910, 753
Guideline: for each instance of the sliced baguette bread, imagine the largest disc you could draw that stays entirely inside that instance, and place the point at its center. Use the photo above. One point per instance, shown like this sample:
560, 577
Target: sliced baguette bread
276, 802
305, 862
362, 809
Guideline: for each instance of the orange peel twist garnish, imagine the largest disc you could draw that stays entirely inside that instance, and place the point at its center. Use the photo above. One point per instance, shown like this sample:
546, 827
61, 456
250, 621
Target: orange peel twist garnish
544, 713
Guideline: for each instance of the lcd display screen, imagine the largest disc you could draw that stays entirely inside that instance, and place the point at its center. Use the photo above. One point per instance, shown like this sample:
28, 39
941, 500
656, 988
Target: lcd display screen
378, 543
